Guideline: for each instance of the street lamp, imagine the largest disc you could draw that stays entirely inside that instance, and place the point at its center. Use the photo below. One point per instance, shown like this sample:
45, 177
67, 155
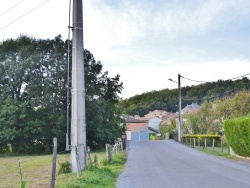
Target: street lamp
179, 113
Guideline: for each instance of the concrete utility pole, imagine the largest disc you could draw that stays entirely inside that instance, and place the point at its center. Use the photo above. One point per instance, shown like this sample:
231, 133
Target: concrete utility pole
78, 119
179, 115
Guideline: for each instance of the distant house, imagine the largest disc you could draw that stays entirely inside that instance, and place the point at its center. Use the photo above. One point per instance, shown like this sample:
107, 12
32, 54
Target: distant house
129, 120
139, 129
154, 123
155, 113
167, 118
192, 107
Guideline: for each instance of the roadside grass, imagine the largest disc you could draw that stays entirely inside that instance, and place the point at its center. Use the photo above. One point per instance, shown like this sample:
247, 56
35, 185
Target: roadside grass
103, 175
217, 151
36, 171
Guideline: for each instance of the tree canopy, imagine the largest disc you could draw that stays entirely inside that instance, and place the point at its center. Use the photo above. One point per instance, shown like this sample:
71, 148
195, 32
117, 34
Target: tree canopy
167, 99
33, 95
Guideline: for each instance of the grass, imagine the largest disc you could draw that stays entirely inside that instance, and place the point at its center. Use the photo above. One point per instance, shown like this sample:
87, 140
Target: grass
217, 151
102, 175
36, 172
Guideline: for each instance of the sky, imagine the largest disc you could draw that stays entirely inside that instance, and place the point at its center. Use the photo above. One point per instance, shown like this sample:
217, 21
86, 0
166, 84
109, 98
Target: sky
146, 42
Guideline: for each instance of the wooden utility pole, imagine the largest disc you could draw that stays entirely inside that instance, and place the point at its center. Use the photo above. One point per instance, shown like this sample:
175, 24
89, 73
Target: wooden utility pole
78, 118
53, 175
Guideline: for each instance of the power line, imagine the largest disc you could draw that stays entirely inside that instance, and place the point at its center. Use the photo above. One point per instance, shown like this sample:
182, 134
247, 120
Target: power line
193, 80
239, 76
11, 8
24, 15
214, 81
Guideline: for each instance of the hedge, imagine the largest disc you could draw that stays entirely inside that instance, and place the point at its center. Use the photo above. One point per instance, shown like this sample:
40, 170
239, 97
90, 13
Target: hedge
202, 136
237, 132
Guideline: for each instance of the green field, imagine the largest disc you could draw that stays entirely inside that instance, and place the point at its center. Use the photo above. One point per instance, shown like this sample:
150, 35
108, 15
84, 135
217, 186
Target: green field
36, 172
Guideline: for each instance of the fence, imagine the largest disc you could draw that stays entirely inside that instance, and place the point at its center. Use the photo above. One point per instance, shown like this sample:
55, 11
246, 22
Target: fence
113, 149
218, 144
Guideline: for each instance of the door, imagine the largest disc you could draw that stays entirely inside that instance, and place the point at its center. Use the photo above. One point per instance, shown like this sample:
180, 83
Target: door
144, 135
135, 135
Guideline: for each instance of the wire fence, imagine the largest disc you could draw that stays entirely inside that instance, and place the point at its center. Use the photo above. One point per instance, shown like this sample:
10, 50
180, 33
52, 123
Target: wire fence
218, 145
37, 170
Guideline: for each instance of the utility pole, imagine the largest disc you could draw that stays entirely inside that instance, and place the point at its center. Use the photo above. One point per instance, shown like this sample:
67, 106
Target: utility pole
179, 115
78, 119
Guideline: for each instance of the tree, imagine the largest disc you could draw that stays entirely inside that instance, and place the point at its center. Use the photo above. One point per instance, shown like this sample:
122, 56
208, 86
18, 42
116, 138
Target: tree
103, 119
33, 95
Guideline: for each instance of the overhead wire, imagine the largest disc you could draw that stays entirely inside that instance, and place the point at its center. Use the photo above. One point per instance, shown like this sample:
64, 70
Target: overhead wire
11, 8
214, 81
23, 15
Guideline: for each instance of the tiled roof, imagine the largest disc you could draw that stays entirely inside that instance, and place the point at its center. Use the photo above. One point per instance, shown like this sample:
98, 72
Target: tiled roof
193, 106
133, 120
133, 126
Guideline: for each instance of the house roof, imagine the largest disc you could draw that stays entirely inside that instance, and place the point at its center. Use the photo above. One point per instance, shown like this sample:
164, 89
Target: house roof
152, 129
155, 113
134, 126
169, 116
133, 120
193, 106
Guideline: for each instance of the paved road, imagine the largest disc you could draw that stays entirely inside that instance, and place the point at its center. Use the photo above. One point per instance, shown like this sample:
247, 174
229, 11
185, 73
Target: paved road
168, 164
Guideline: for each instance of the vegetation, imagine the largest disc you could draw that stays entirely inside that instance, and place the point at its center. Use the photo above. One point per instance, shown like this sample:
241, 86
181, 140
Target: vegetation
170, 129
33, 96
98, 176
209, 119
201, 136
237, 132
36, 171
167, 99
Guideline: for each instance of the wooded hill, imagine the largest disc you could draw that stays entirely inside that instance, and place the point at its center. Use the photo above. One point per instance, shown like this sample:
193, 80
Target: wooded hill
167, 99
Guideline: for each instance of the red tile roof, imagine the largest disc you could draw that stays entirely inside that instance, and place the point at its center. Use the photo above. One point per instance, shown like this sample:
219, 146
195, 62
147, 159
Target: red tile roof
133, 126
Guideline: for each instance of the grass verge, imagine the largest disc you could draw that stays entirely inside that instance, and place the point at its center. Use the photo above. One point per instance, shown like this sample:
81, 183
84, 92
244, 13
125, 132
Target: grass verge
103, 175
36, 171
217, 151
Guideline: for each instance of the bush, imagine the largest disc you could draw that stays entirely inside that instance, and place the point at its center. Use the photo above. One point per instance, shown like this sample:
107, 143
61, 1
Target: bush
64, 168
237, 132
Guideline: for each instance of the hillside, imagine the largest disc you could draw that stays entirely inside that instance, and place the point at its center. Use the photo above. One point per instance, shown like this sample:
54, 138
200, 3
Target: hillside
167, 99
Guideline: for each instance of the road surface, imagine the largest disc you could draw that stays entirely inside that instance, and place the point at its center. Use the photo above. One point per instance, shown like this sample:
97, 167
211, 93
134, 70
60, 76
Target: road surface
169, 164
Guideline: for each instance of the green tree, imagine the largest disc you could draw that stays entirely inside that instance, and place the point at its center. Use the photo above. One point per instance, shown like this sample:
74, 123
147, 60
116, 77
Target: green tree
33, 99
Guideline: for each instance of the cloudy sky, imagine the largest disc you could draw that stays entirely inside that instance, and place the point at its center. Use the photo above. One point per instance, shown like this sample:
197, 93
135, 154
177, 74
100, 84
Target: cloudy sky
147, 41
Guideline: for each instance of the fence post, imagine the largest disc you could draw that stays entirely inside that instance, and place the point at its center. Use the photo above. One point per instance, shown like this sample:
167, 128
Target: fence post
53, 178
221, 138
213, 145
90, 160
205, 143
109, 153
190, 140
194, 142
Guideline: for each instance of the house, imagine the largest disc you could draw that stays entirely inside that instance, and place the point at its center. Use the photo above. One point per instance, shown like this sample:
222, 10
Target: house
129, 120
193, 106
154, 123
139, 131
155, 113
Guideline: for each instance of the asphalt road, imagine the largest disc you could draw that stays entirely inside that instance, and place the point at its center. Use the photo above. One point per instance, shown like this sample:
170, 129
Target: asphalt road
168, 164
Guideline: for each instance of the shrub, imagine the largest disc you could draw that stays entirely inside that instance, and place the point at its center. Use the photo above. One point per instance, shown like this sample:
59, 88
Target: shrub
64, 168
237, 132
